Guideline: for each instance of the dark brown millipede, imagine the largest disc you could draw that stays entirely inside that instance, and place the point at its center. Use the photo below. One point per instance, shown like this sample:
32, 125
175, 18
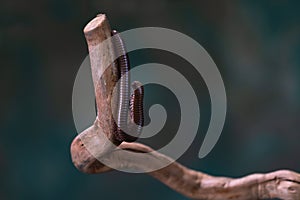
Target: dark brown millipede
136, 99
136, 105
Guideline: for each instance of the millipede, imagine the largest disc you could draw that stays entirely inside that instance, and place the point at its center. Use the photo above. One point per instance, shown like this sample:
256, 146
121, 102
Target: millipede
135, 101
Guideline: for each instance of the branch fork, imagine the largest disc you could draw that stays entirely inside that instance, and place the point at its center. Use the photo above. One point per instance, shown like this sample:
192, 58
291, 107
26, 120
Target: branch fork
282, 184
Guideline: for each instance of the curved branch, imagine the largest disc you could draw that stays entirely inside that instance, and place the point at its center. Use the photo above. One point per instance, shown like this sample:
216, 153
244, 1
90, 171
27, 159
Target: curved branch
283, 184
91, 145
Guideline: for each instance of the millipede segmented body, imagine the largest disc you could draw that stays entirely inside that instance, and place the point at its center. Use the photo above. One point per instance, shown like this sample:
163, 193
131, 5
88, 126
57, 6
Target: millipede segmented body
136, 106
136, 99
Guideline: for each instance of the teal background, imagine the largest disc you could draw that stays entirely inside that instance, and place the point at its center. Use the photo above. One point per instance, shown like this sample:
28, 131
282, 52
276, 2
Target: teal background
255, 44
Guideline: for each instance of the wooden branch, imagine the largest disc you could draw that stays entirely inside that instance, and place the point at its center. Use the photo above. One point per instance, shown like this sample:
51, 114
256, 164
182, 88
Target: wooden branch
91, 145
104, 78
281, 184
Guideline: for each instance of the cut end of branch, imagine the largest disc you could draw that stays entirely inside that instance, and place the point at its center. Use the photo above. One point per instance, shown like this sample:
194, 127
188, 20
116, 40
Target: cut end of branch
95, 26
95, 23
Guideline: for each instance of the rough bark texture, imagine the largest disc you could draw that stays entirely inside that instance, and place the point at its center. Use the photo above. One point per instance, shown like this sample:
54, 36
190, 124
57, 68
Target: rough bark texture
282, 184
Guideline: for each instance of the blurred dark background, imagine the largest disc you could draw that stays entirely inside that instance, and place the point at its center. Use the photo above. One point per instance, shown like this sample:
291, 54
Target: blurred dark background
255, 44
